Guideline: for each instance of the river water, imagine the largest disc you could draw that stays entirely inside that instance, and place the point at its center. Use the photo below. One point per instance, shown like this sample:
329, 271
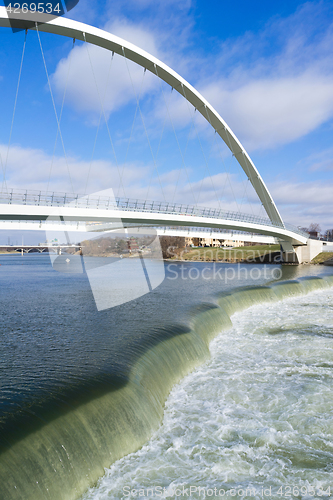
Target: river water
255, 421
81, 388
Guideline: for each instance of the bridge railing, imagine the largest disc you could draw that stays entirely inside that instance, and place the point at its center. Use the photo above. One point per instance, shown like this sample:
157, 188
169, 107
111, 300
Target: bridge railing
55, 199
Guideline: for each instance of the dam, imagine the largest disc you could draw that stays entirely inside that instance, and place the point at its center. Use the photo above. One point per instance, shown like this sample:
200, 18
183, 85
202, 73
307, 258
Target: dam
84, 390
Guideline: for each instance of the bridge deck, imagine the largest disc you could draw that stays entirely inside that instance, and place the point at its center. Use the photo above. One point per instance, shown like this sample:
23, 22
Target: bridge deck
29, 205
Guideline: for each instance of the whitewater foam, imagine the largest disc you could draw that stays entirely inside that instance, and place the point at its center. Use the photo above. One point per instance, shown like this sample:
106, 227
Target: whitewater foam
62, 453
257, 414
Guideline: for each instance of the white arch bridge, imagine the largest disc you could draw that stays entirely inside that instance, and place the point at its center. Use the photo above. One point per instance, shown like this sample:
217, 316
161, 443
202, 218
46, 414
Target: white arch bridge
84, 211
29, 206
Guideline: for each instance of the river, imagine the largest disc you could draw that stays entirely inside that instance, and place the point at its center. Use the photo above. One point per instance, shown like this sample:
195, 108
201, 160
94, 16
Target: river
254, 412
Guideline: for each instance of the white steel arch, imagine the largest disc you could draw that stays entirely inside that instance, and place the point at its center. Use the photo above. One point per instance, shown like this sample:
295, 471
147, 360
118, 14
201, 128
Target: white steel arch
95, 36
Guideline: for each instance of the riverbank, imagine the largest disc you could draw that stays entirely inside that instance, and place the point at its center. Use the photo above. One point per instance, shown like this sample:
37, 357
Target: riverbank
258, 254
325, 258
261, 254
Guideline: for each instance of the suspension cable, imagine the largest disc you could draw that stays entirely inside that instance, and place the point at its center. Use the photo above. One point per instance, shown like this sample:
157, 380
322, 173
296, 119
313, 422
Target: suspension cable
163, 129
207, 166
144, 126
266, 196
4, 183
54, 106
4, 166
176, 137
247, 182
99, 123
157, 152
60, 115
203, 153
135, 114
104, 115
241, 171
185, 151
186, 172
228, 172
132, 130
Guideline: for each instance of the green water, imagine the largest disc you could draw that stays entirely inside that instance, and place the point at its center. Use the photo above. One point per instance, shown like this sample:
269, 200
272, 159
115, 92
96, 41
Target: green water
107, 394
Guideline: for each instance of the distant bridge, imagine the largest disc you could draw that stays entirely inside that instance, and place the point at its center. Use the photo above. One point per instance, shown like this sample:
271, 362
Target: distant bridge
37, 248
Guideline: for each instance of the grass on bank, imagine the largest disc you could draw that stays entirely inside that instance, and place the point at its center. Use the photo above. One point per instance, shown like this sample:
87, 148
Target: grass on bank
322, 257
237, 254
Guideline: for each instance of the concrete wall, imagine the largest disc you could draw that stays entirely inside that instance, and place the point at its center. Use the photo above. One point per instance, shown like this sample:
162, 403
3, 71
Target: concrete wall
309, 251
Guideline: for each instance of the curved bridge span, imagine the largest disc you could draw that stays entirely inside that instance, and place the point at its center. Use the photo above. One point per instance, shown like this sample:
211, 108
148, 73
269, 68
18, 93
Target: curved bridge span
98, 37
29, 206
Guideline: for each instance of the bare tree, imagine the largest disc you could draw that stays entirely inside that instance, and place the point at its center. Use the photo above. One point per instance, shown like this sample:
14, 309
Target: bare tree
314, 227
171, 245
329, 234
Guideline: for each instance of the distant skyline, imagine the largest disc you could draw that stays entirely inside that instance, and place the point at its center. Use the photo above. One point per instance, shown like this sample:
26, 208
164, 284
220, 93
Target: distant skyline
266, 67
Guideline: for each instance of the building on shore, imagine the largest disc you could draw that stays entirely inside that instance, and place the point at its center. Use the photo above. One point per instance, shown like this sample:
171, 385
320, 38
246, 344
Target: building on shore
212, 242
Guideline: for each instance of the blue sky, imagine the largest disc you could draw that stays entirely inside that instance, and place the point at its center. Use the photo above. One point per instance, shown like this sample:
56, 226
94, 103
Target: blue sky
267, 68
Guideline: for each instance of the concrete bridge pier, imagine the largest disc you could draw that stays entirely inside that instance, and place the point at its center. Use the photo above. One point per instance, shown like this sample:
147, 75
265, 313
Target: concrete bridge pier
288, 254
306, 253
302, 254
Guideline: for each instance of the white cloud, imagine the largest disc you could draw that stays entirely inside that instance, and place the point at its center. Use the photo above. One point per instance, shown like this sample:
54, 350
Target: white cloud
135, 33
275, 87
33, 169
304, 202
92, 79
272, 87
319, 161
299, 203
271, 112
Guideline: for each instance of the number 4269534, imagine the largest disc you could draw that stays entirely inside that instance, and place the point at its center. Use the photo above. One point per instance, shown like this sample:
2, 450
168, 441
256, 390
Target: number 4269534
42, 8
295, 491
